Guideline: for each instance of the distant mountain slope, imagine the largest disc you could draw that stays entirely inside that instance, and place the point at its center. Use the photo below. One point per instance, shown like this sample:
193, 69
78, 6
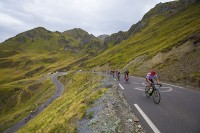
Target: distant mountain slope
30, 55
167, 42
83, 41
166, 9
41, 49
76, 40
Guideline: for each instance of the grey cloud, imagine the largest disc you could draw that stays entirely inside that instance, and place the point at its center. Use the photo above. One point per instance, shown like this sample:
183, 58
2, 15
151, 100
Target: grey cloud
95, 16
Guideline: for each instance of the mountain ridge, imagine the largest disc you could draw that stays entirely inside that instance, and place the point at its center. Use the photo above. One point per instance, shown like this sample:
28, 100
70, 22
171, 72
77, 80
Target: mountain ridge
168, 8
78, 41
167, 43
162, 34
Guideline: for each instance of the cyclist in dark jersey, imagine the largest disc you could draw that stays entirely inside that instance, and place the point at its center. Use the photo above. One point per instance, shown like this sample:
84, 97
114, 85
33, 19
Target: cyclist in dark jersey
126, 73
118, 74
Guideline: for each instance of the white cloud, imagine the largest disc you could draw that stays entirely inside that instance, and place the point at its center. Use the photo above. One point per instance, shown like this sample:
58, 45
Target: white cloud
7, 20
94, 16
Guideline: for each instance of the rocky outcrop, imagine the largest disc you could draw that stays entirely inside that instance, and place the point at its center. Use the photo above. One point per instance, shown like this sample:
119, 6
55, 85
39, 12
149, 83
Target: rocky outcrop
103, 37
85, 42
168, 8
115, 38
137, 27
110, 113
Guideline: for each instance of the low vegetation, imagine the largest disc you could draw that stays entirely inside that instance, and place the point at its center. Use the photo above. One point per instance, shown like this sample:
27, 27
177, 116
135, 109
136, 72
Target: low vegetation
81, 90
19, 98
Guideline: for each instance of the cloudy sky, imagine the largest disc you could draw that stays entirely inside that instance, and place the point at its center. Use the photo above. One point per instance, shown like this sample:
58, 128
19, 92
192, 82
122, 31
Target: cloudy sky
94, 16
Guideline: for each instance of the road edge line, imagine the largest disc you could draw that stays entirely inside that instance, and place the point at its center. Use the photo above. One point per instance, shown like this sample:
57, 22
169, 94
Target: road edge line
121, 86
153, 127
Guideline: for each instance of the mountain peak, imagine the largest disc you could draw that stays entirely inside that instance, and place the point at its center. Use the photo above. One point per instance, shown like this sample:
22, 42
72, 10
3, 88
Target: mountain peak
32, 34
77, 33
168, 7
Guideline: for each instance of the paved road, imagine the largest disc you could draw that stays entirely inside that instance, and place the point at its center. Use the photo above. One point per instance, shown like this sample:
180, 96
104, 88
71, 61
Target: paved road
57, 93
178, 111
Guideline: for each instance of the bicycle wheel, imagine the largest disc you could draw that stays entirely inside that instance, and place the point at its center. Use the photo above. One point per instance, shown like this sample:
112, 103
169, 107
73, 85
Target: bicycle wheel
147, 92
156, 96
128, 80
118, 77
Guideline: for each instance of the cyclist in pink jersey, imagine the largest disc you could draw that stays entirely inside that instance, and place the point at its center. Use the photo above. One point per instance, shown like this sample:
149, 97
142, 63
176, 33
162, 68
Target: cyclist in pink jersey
150, 78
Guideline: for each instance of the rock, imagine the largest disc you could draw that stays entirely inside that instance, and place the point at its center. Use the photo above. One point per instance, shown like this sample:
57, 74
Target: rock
136, 119
111, 114
139, 126
130, 120
136, 130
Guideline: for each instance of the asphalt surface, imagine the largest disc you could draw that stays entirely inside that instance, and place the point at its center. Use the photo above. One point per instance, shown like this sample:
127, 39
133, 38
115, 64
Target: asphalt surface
57, 93
177, 112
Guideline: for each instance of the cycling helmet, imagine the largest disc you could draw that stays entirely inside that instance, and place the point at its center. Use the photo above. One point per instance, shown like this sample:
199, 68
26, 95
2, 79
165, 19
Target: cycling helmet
153, 72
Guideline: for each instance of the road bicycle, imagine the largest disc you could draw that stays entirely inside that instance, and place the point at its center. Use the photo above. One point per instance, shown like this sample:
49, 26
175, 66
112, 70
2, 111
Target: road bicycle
127, 79
118, 77
154, 93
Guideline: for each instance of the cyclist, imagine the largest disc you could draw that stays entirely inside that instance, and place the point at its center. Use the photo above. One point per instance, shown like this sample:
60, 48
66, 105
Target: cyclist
113, 73
150, 78
118, 74
126, 73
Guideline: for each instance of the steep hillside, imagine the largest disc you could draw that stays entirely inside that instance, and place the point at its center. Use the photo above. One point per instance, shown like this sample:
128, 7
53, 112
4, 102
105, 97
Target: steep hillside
168, 44
81, 90
27, 57
165, 9
19, 98
39, 50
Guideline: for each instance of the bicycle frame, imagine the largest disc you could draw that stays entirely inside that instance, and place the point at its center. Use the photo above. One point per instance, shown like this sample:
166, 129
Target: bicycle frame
155, 93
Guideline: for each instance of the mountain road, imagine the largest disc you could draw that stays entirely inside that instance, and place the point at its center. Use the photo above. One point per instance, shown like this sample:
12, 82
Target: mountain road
177, 112
57, 93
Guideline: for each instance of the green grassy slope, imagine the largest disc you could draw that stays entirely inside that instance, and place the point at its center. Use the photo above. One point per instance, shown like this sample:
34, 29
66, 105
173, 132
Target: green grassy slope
163, 33
39, 51
26, 58
19, 98
81, 90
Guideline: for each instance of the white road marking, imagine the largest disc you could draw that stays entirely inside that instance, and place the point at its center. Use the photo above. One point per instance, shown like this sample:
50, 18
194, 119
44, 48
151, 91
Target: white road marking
174, 85
153, 127
162, 83
160, 90
121, 86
